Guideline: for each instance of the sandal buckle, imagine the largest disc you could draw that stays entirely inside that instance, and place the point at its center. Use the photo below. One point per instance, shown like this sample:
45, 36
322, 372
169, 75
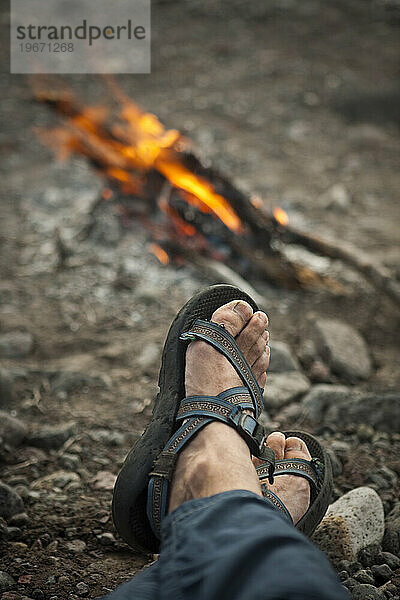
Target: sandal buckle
250, 430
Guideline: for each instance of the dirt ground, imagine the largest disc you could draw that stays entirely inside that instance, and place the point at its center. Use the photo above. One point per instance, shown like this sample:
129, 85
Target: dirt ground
296, 102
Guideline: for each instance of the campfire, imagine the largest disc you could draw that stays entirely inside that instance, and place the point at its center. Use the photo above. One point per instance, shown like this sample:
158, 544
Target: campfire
192, 212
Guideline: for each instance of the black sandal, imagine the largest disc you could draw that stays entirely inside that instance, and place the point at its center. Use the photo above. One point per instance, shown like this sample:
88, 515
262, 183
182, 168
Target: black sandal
140, 497
141, 491
317, 471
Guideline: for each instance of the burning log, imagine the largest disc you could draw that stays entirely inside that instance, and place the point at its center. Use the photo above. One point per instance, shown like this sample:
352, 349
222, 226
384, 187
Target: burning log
206, 216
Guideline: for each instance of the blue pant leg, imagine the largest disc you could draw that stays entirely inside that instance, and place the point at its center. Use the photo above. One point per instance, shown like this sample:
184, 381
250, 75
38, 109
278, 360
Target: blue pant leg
233, 545
236, 545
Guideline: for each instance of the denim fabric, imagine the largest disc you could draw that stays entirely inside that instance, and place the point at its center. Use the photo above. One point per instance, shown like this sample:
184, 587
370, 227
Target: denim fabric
233, 545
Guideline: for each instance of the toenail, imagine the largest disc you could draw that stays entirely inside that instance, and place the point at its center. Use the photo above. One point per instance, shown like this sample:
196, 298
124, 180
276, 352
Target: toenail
294, 445
241, 309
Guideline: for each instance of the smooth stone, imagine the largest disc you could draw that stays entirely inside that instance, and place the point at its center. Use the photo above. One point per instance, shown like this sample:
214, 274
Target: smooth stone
15, 344
52, 438
282, 359
342, 348
283, 388
12, 430
10, 502
6, 581
354, 521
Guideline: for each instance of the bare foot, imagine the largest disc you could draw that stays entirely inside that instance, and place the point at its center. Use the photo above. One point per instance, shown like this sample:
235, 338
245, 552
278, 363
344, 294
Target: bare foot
218, 459
292, 490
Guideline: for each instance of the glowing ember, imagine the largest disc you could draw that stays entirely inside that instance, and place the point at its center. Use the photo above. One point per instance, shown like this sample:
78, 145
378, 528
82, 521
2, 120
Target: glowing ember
159, 253
281, 216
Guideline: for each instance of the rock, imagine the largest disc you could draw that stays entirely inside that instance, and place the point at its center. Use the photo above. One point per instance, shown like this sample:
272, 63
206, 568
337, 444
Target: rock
76, 546
342, 348
106, 538
52, 438
12, 430
107, 437
368, 555
364, 577
104, 480
15, 344
364, 591
282, 359
318, 400
59, 479
6, 582
6, 388
10, 503
332, 405
353, 522
389, 559
381, 573
391, 540
70, 461
19, 520
283, 388
365, 432
82, 589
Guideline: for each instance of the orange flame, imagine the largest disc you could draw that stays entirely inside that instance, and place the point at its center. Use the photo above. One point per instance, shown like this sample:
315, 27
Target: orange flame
159, 253
281, 216
137, 143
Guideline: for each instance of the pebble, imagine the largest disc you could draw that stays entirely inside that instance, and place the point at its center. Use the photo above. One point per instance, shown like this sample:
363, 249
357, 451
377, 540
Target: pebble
365, 591
342, 348
58, 479
70, 461
283, 388
282, 359
364, 576
104, 480
6, 581
15, 344
52, 438
382, 573
368, 556
19, 520
65, 382
10, 502
76, 546
353, 522
106, 539
12, 430
82, 589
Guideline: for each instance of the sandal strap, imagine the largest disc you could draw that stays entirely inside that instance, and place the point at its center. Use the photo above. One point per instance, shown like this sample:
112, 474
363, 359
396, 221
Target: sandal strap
195, 412
268, 495
224, 342
163, 469
294, 466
